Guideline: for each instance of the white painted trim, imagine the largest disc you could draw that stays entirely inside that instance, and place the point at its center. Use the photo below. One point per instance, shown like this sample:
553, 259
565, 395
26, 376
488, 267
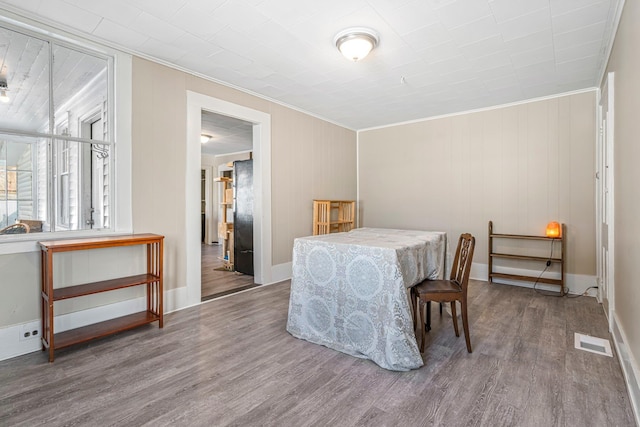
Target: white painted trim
197, 102
19, 247
123, 88
281, 272
598, 184
576, 284
630, 368
605, 149
357, 225
611, 232
12, 346
479, 110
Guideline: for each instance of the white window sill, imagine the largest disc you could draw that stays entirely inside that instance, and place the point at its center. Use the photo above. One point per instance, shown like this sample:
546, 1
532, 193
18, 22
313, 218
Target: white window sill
21, 243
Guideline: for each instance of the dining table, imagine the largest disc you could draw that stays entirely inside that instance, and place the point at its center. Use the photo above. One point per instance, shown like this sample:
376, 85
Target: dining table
350, 291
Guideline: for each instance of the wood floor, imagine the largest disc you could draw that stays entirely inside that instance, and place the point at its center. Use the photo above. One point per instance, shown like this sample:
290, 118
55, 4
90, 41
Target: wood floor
230, 361
216, 283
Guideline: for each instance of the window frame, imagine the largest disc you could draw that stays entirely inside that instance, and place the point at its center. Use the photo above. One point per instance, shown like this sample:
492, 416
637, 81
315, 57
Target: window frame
119, 92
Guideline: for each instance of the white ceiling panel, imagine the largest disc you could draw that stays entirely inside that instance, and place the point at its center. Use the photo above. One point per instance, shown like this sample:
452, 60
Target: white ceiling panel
582, 35
454, 55
405, 23
161, 9
68, 14
484, 28
526, 25
156, 28
533, 56
577, 52
120, 34
583, 17
559, 7
506, 10
205, 25
530, 41
459, 13
116, 10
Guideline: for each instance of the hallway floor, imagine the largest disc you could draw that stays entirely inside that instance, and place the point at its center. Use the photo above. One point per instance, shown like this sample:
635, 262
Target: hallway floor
217, 282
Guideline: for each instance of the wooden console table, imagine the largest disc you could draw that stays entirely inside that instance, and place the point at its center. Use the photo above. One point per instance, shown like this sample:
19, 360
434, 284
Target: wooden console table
152, 278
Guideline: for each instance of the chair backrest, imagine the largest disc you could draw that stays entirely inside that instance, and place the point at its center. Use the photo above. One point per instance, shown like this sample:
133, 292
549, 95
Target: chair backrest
462, 262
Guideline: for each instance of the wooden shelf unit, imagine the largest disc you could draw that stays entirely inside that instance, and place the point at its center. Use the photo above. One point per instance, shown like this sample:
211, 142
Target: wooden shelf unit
225, 228
333, 216
153, 279
539, 259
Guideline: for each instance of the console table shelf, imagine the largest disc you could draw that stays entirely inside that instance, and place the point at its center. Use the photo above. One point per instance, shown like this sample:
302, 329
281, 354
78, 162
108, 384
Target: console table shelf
103, 329
153, 279
104, 286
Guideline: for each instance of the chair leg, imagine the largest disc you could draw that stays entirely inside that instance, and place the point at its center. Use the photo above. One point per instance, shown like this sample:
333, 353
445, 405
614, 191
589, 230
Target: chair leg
428, 315
455, 318
422, 327
465, 324
440, 309
414, 307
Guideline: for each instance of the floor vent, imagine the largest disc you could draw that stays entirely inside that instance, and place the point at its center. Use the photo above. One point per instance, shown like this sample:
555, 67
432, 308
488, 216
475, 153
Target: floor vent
593, 344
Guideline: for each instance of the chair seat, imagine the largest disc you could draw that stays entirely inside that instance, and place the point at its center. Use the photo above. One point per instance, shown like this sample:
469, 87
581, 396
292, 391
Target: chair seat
434, 286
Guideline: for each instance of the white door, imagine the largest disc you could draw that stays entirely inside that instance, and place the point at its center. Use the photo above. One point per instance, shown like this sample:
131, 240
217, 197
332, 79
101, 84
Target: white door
604, 199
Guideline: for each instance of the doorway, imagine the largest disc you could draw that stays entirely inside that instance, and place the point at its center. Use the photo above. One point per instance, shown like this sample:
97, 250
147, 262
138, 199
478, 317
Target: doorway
219, 273
261, 124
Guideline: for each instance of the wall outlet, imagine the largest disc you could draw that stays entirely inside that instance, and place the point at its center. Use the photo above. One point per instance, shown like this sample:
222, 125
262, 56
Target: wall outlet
30, 331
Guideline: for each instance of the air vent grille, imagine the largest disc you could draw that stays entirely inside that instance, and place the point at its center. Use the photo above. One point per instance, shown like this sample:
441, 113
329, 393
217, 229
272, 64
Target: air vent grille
593, 344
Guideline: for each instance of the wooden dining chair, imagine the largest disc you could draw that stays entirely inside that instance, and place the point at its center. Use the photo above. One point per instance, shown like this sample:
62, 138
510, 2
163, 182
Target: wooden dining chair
452, 290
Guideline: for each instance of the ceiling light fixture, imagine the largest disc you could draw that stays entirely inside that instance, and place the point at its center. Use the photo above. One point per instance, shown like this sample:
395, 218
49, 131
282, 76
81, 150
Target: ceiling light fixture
3, 92
204, 138
356, 43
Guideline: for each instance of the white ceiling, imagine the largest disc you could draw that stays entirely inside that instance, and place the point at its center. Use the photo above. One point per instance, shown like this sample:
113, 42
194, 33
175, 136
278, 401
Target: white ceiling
454, 55
228, 134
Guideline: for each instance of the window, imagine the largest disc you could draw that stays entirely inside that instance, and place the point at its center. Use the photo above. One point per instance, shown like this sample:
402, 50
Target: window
55, 134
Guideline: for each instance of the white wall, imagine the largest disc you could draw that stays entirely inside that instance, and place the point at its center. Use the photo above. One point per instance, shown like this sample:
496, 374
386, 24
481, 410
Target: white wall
520, 166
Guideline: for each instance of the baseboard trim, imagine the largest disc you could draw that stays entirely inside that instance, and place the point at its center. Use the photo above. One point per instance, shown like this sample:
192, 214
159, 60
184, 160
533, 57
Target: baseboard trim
629, 366
11, 344
576, 284
281, 272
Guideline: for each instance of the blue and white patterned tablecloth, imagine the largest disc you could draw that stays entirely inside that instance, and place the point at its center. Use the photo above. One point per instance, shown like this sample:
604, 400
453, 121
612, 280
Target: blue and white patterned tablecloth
349, 291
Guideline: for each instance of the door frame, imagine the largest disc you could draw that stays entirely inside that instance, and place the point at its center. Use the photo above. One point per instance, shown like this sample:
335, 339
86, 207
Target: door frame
605, 232
196, 102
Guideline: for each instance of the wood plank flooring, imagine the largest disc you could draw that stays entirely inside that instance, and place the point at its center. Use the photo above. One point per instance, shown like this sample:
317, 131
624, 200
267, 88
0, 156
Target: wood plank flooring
230, 361
216, 283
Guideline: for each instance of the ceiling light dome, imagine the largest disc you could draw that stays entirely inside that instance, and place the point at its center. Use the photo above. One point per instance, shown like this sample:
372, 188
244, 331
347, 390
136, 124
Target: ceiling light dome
204, 138
356, 43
